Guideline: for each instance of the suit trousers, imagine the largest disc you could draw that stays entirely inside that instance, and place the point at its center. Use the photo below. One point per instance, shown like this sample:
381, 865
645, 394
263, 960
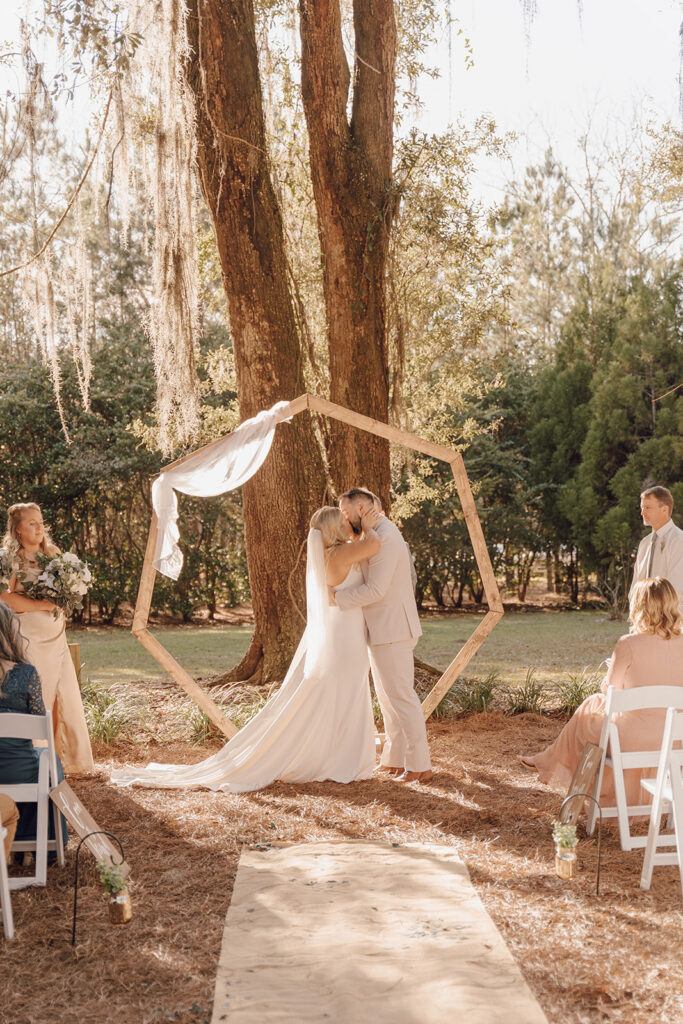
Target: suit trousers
393, 672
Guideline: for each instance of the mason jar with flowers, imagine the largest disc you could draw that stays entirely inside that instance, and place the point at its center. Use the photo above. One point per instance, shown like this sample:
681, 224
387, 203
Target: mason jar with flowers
566, 841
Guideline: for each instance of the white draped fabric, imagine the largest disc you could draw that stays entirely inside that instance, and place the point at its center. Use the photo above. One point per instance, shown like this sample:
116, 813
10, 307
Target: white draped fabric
220, 468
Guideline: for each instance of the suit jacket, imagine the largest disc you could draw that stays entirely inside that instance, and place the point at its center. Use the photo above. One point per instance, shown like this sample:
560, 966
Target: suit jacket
386, 597
668, 558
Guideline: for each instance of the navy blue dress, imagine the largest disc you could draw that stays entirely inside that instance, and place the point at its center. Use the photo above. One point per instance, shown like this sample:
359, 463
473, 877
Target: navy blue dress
21, 694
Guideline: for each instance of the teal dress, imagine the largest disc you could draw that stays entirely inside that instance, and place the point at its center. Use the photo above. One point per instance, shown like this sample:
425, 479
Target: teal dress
21, 693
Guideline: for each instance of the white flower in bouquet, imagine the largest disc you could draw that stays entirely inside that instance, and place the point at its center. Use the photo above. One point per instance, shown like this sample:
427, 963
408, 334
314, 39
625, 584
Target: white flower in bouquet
63, 579
9, 562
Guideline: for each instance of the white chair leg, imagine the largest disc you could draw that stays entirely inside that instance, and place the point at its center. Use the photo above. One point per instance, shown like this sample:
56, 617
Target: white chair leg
677, 811
5, 898
42, 822
652, 834
592, 809
620, 790
59, 838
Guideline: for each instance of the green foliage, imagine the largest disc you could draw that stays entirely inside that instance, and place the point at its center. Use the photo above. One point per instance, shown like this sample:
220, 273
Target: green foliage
538, 338
111, 877
201, 727
572, 691
248, 705
529, 698
564, 836
109, 716
472, 695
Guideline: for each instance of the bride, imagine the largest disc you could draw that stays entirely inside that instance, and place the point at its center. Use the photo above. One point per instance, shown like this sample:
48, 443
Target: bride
319, 725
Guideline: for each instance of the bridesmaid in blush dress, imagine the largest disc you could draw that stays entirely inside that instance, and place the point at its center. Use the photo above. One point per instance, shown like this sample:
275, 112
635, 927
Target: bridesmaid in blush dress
46, 645
650, 655
20, 694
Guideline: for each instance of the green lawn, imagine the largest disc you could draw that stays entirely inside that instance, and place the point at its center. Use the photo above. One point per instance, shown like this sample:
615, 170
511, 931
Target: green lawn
554, 643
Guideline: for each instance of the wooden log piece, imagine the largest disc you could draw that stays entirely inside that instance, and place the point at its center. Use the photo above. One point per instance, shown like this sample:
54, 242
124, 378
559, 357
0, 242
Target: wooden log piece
356, 419
189, 685
75, 652
476, 534
147, 580
460, 662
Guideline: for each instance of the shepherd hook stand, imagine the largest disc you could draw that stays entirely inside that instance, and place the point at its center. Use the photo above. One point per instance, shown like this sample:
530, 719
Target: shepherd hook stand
590, 797
97, 832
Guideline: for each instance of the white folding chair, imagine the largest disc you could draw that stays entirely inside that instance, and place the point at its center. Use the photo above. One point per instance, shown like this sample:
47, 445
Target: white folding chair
640, 698
5, 899
667, 792
36, 727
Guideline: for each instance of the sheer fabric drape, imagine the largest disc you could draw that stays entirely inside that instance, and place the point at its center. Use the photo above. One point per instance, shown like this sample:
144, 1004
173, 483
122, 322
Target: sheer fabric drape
223, 467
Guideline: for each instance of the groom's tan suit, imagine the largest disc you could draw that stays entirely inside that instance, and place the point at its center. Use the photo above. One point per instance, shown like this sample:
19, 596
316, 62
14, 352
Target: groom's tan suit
393, 625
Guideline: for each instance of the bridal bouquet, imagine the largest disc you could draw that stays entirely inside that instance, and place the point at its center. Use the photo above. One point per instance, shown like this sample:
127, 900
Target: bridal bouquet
63, 579
9, 563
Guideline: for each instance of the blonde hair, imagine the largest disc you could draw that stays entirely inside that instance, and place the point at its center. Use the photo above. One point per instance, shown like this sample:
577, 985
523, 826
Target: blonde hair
328, 520
654, 609
15, 514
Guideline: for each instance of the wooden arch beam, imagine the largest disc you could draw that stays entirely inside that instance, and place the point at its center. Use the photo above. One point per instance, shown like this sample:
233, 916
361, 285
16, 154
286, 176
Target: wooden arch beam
396, 436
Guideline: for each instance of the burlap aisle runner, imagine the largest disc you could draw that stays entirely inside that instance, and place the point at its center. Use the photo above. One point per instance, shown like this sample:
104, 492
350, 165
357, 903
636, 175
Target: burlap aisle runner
355, 932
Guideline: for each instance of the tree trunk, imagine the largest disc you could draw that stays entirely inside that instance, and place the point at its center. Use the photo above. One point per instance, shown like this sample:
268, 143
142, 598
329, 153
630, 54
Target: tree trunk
351, 175
238, 190
549, 577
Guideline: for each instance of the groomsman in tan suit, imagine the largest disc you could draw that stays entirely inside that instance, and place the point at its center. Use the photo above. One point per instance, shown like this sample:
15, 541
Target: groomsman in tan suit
661, 552
393, 626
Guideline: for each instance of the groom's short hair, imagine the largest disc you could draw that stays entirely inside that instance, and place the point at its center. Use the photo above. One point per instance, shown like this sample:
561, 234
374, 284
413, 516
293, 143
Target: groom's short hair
661, 494
358, 494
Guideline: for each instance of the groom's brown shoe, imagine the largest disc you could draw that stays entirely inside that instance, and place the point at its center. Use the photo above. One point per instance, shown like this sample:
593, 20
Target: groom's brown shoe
425, 776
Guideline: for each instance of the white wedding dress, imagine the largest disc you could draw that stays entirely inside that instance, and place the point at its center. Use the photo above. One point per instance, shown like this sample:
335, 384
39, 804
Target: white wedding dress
318, 726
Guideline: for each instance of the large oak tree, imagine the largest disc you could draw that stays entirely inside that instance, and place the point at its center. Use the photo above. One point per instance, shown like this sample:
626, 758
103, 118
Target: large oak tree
237, 187
351, 174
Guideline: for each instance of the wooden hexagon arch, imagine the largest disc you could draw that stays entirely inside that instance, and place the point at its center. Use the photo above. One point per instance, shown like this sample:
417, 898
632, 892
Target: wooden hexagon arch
354, 419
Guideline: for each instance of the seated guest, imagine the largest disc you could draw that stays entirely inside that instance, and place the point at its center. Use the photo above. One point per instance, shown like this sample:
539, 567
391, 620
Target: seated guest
650, 655
9, 816
20, 693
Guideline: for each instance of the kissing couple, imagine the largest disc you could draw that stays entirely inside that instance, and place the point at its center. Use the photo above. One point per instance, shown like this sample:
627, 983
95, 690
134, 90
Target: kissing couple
319, 725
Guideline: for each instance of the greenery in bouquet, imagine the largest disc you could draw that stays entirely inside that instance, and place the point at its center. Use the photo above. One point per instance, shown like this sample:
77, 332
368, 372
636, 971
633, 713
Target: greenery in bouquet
9, 563
63, 579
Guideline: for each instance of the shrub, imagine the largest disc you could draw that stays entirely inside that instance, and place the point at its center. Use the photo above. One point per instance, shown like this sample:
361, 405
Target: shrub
572, 691
201, 726
472, 695
531, 696
250, 704
109, 716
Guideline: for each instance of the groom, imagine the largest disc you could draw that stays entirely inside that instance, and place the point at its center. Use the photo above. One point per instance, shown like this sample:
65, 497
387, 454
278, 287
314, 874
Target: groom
393, 626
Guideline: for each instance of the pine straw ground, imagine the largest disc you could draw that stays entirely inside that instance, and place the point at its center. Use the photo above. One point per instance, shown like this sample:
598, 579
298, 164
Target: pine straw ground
615, 957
